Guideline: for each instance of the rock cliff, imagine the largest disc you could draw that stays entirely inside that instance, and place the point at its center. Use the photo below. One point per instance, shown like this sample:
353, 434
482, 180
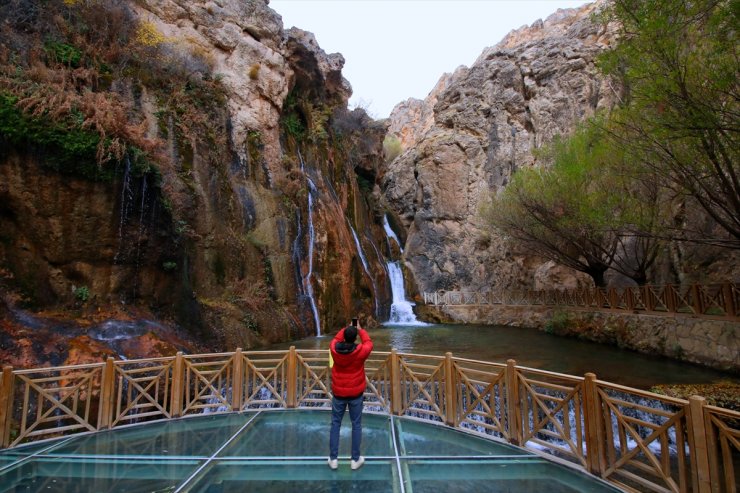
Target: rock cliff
242, 226
478, 126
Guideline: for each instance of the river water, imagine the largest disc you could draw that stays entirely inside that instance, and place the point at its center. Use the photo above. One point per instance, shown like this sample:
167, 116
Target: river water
532, 348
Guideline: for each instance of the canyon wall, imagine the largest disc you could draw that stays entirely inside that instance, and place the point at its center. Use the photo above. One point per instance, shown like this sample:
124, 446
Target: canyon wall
480, 124
246, 226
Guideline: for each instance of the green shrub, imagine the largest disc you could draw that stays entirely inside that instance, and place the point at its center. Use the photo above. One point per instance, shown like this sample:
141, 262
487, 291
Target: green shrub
366, 186
250, 323
293, 126
392, 148
169, 266
558, 323
82, 293
63, 53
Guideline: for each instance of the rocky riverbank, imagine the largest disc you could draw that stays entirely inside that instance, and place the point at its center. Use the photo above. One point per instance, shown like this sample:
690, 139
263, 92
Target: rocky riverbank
708, 342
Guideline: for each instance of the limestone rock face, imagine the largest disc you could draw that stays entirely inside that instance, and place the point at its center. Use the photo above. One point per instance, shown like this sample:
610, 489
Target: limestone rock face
247, 215
478, 126
260, 65
256, 60
411, 119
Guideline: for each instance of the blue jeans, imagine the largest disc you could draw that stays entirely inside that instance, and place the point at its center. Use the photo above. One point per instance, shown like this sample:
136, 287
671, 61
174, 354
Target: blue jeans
338, 405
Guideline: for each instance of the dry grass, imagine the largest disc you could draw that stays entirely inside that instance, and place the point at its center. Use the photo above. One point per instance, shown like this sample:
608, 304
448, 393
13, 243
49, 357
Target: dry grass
721, 394
77, 65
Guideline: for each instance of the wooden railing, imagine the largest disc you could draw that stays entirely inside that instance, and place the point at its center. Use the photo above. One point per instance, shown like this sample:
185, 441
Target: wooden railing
635, 439
703, 300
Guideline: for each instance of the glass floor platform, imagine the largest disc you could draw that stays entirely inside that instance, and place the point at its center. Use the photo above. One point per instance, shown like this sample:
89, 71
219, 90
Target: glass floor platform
282, 451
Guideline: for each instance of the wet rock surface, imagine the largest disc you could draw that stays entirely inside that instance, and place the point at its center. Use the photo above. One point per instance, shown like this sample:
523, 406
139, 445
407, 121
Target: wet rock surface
60, 338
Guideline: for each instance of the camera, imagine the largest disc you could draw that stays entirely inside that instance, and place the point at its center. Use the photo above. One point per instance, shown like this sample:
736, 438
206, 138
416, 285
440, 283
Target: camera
355, 322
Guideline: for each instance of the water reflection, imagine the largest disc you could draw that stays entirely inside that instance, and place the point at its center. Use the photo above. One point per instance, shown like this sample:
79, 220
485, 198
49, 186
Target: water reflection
532, 348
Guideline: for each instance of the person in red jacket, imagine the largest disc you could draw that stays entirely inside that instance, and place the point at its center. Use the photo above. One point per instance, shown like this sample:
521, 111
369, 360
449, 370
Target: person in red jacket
348, 387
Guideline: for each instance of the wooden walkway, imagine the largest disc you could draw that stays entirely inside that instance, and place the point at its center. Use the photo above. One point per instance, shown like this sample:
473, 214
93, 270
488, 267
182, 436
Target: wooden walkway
716, 301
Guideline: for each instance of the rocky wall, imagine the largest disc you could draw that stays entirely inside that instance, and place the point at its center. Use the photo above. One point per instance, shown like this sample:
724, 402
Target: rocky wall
258, 176
477, 127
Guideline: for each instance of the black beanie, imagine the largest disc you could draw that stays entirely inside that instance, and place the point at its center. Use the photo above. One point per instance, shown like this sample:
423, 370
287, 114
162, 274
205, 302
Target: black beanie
350, 334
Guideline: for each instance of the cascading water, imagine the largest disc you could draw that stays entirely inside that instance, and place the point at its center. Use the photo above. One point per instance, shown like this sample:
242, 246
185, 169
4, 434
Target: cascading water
142, 228
307, 286
126, 199
360, 252
402, 312
390, 233
366, 267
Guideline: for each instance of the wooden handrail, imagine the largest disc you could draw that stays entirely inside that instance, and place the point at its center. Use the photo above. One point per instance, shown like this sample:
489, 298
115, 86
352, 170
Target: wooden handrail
716, 301
607, 429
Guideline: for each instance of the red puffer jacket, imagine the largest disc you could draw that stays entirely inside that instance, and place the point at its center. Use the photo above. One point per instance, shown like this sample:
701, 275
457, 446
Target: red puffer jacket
348, 372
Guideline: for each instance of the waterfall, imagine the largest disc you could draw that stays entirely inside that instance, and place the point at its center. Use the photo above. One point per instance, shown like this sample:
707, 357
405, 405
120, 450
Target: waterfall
377, 252
142, 229
297, 250
126, 199
402, 312
360, 252
365, 266
390, 233
307, 286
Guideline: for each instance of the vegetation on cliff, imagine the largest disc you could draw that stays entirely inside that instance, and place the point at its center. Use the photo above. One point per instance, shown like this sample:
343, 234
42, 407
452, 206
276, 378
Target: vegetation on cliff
628, 182
70, 73
583, 211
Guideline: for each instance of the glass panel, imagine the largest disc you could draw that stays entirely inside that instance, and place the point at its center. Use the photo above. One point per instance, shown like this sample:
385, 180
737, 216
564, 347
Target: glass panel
65, 475
306, 434
421, 439
6, 460
315, 476
30, 449
198, 437
499, 476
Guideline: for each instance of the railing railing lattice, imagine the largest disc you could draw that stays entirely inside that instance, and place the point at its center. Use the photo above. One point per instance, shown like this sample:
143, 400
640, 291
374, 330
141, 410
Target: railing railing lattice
635, 439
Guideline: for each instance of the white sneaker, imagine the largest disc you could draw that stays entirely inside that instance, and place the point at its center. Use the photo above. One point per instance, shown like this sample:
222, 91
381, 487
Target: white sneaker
356, 464
333, 464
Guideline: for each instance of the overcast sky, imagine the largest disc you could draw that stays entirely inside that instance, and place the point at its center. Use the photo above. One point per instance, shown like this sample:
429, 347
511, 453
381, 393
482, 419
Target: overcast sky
397, 49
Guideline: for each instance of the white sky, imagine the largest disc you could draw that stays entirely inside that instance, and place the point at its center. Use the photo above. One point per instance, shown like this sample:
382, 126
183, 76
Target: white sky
397, 49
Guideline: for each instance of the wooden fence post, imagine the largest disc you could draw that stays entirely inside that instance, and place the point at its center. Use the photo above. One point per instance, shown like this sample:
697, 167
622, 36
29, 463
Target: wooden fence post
612, 298
647, 298
700, 452
107, 386
396, 404
670, 299
629, 299
450, 388
237, 385
697, 302
592, 415
6, 405
292, 378
729, 300
178, 385
513, 406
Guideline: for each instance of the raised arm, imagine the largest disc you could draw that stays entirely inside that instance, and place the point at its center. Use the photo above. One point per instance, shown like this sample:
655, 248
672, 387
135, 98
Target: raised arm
366, 344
